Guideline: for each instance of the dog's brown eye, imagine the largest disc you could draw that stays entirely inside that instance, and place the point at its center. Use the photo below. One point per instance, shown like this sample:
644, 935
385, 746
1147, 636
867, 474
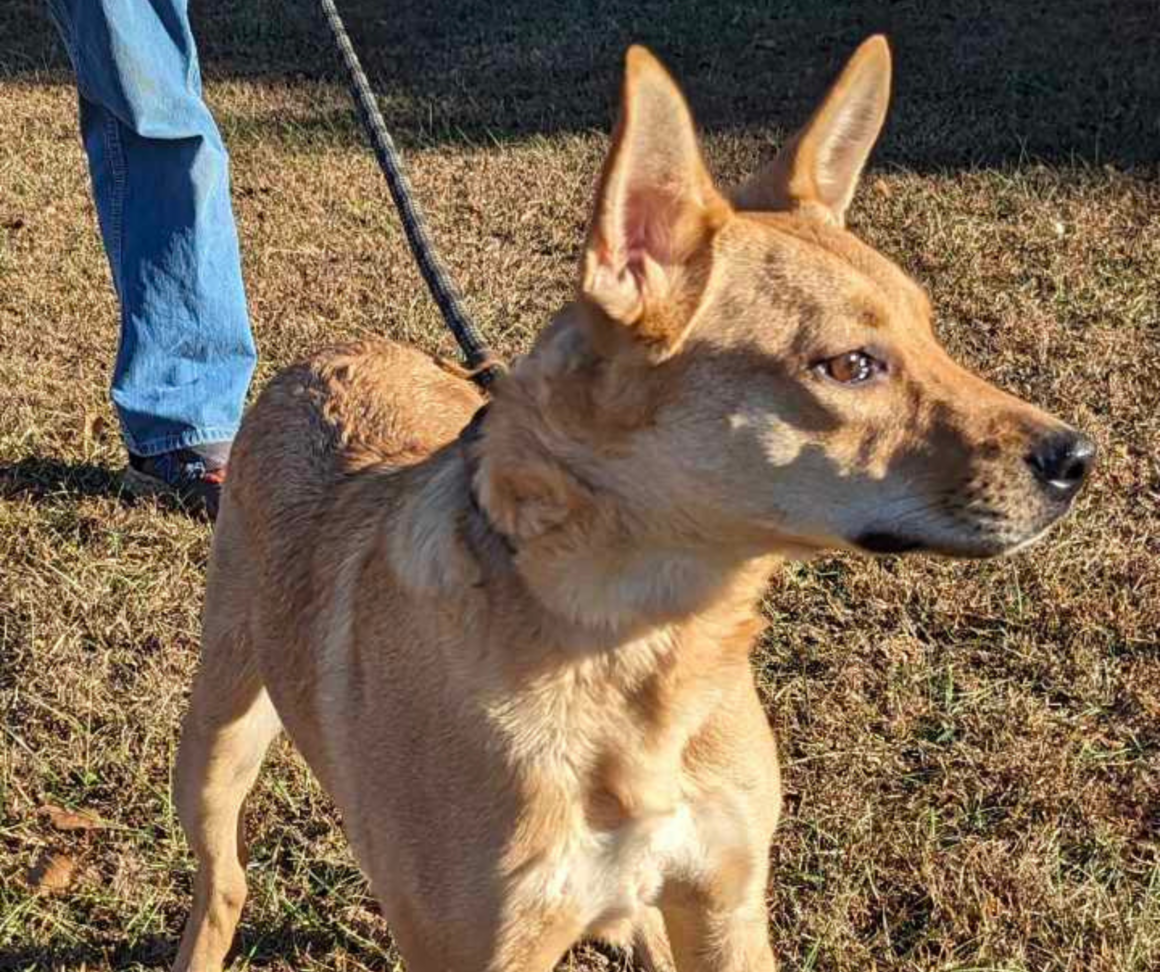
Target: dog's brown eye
851, 368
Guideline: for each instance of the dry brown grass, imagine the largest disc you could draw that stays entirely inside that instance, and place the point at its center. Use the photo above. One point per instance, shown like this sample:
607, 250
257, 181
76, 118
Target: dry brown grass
972, 751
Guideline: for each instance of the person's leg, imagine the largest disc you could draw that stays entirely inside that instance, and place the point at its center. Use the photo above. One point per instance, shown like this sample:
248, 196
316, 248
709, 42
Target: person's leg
161, 184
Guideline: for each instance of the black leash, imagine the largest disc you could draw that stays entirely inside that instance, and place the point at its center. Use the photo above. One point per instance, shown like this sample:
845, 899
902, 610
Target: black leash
482, 365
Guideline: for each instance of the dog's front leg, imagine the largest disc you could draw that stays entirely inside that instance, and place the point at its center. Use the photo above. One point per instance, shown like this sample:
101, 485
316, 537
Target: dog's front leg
650, 946
526, 943
713, 940
535, 944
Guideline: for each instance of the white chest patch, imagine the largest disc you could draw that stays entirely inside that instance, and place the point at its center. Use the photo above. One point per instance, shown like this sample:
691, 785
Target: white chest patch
610, 876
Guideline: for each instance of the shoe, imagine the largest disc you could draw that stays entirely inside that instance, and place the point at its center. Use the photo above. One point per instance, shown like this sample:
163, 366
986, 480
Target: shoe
193, 477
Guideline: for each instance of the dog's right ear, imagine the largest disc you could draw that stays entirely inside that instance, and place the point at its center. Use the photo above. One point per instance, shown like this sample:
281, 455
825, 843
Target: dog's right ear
646, 262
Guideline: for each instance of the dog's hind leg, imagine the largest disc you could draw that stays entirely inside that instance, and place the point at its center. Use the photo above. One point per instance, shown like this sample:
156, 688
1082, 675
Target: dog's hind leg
227, 730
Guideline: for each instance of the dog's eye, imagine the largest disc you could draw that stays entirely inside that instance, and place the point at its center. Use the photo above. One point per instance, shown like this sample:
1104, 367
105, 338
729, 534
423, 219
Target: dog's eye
851, 368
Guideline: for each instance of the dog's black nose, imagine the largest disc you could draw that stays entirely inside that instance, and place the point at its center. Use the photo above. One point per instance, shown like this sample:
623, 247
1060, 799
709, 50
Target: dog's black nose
1061, 462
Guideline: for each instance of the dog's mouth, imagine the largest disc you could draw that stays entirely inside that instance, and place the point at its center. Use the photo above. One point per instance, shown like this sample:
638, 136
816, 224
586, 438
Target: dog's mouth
878, 542
975, 521
978, 545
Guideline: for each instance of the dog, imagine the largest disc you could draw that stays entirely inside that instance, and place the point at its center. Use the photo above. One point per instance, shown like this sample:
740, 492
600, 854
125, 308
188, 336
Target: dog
512, 642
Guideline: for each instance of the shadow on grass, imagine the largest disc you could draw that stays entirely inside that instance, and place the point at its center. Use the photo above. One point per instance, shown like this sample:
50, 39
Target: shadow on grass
153, 952
259, 944
43, 476
976, 82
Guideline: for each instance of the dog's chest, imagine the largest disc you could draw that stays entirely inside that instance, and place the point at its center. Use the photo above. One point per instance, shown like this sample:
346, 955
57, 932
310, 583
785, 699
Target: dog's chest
608, 876
610, 806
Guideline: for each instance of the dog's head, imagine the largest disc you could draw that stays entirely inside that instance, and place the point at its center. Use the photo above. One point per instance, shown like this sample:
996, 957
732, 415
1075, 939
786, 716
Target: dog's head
740, 368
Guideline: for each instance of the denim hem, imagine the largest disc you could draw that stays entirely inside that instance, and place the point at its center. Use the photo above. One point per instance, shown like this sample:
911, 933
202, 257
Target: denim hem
182, 440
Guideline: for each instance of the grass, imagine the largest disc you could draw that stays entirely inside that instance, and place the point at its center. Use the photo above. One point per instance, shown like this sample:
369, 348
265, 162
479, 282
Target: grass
971, 751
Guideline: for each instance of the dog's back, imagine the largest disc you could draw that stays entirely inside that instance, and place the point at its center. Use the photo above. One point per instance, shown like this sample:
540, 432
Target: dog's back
328, 449
318, 423
329, 438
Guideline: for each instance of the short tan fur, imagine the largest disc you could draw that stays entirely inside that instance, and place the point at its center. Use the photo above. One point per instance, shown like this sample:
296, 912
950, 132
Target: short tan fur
518, 660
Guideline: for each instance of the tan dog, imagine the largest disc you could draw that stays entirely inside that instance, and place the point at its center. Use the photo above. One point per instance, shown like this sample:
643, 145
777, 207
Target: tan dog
517, 658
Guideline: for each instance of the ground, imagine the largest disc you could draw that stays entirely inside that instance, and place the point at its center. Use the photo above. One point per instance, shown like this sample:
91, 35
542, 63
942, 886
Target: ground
971, 751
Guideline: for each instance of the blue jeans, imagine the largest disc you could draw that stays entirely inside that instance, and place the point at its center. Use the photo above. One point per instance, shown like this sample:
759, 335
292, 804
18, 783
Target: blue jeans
160, 179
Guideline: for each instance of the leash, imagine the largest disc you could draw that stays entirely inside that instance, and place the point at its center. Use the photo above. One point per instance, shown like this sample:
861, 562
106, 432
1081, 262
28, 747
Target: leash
481, 364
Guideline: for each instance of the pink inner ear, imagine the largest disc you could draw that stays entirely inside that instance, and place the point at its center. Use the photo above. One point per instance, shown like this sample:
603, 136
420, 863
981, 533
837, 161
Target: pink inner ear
647, 225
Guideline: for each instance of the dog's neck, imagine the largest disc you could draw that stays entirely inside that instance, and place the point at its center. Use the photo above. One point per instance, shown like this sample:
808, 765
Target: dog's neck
604, 569
617, 588
652, 635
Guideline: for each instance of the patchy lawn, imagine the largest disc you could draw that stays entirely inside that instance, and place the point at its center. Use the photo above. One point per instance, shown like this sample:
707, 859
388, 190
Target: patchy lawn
971, 751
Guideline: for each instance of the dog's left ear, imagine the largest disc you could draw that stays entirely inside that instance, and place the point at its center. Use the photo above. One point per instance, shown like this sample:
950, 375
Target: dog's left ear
647, 258
817, 172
